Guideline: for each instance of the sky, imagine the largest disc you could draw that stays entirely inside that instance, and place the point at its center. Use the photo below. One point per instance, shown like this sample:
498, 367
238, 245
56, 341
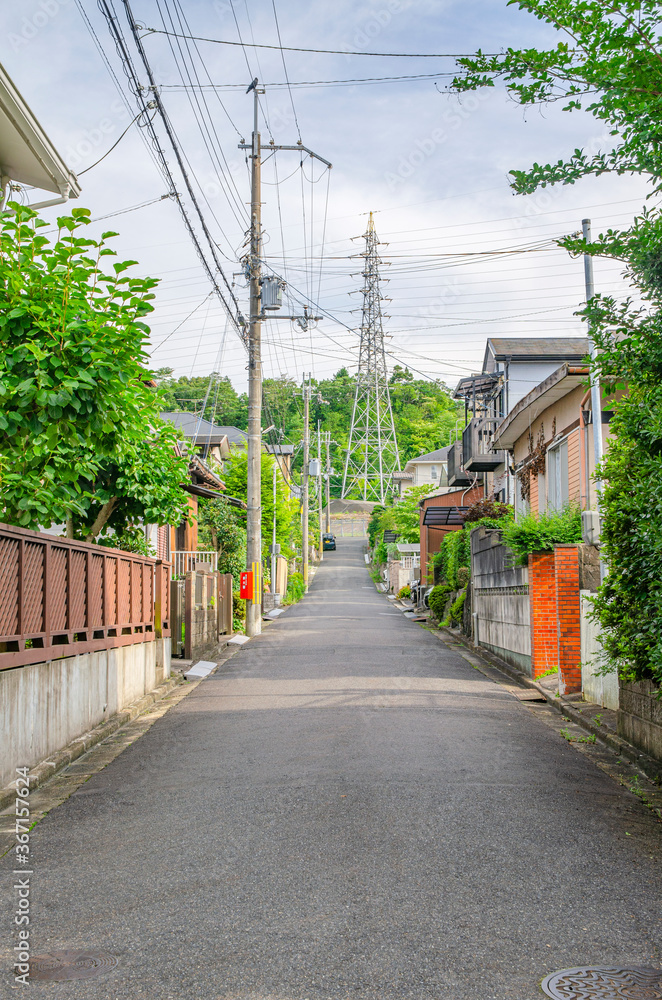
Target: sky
432, 167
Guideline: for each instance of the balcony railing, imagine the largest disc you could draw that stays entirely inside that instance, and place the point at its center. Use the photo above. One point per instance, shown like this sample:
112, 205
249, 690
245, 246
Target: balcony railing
188, 562
456, 475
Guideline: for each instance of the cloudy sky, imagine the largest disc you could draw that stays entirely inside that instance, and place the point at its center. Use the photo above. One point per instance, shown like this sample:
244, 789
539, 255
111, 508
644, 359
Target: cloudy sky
433, 169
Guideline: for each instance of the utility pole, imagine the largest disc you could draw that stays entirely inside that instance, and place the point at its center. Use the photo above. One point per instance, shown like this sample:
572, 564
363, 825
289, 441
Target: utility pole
596, 401
274, 554
304, 478
254, 270
319, 488
596, 397
254, 484
328, 482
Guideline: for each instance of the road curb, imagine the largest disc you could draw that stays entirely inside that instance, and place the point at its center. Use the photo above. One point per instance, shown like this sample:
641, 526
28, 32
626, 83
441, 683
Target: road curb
651, 767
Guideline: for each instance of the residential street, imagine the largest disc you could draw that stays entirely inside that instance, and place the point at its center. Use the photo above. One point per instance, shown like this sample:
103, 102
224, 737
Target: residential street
347, 809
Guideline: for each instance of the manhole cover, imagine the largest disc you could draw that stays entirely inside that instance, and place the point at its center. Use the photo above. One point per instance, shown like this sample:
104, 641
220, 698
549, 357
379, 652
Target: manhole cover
604, 984
58, 966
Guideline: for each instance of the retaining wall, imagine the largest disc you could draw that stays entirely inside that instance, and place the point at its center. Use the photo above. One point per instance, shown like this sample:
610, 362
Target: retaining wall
44, 706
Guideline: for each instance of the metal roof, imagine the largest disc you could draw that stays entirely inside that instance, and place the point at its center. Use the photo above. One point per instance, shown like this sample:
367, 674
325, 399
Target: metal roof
27, 155
554, 387
535, 349
433, 456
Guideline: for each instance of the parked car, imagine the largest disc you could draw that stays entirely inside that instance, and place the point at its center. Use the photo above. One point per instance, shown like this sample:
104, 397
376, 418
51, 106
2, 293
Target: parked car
328, 543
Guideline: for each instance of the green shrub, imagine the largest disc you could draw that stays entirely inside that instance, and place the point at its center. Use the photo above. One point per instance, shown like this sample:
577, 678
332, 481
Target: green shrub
296, 588
438, 598
381, 554
238, 613
455, 613
404, 591
540, 533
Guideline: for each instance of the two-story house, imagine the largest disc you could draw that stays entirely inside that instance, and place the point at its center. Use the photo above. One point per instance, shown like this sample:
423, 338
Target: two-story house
424, 470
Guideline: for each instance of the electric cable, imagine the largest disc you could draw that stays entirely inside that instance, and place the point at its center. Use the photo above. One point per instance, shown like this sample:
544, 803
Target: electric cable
113, 24
331, 52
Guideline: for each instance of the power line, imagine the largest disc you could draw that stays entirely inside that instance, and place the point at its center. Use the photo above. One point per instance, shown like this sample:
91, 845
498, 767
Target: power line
409, 78
329, 52
113, 24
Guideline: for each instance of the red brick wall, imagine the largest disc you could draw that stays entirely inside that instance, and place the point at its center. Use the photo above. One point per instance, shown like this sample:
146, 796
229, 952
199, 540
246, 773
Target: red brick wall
555, 615
542, 600
566, 559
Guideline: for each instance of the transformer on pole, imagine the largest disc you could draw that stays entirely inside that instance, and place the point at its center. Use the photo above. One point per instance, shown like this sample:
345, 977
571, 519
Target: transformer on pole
372, 452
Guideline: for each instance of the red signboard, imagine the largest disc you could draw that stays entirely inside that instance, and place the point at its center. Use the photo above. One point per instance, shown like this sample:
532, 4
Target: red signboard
246, 586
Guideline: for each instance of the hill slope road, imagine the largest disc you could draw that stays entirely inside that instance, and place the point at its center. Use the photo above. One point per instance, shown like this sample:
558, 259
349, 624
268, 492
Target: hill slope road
348, 810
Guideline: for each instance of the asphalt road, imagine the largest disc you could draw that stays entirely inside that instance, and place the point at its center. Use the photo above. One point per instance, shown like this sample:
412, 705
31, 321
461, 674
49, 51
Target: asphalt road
348, 810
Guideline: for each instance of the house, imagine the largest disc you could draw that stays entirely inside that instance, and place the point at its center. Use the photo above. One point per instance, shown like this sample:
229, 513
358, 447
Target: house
512, 368
425, 470
27, 155
549, 434
537, 616
283, 454
210, 441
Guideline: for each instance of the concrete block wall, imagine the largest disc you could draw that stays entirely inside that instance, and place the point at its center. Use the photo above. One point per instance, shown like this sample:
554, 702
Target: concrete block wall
499, 599
601, 689
44, 706
640, 716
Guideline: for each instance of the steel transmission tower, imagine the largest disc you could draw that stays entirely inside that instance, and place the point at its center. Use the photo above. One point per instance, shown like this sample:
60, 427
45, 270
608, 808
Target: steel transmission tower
372, 452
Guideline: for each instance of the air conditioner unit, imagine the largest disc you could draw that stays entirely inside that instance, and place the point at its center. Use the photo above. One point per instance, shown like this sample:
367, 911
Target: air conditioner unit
477, 454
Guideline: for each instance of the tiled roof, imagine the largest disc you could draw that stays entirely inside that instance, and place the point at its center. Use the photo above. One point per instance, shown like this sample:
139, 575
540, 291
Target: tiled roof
203, 430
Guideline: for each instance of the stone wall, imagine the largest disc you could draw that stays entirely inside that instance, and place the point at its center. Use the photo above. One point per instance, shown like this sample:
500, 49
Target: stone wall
44, 706
640, 716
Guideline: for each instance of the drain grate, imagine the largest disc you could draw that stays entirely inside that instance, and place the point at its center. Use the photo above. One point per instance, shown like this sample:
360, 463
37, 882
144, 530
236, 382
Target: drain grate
60, 966
604, 984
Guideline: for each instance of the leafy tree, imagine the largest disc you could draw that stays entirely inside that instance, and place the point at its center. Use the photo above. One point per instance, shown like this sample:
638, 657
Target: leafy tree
213, 396
81, 441
222, 527
288, 531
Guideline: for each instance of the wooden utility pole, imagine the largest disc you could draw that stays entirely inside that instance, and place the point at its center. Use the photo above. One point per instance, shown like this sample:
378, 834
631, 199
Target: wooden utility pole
254, 484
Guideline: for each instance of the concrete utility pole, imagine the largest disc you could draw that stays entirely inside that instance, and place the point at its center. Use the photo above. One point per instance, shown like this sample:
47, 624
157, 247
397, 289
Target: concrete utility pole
274, 554
304, 479
254, 485
327, 437
596, 400
319, 488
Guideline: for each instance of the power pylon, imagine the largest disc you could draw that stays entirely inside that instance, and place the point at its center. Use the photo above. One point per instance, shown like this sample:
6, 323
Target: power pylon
372, 452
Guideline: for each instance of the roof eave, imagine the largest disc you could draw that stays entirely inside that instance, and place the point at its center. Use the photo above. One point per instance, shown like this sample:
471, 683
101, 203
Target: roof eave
554, 387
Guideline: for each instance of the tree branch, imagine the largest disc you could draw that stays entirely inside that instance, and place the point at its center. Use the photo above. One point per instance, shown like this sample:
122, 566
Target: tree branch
102, 518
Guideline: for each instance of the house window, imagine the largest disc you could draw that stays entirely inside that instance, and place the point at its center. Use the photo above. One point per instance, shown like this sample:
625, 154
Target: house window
433, 472
557, 476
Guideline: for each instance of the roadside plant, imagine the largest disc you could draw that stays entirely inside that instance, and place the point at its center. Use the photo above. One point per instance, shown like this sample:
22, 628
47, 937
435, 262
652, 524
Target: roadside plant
438, 599
541, 532
81, 440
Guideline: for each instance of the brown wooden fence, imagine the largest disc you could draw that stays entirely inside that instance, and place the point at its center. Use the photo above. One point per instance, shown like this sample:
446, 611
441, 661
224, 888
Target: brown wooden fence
59, 597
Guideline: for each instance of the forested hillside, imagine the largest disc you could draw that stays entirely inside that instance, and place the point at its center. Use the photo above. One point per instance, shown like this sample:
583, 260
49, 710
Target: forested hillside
423, 411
